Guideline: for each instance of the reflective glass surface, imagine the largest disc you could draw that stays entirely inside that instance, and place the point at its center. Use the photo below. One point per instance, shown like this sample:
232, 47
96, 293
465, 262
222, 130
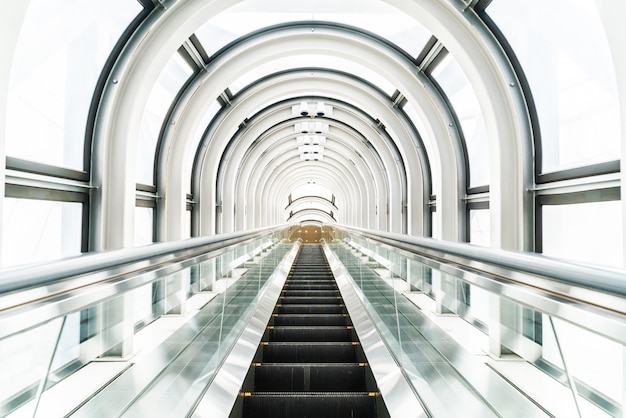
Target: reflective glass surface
309, 60
457, 87
480, 227
62, 48
374, 16
171, 79
40, 230
422, 313
197, 137
429, 144
571, 75
144, 225
588, 232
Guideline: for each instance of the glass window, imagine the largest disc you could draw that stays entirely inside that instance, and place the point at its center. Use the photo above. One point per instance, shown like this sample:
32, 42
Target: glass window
592, 359
323, 61
435, 228
480, 227
586, 232
428, 144
206, 120
40, 230
167, 86
311, 189
571, 75
62, 48
457, 87
371, 15
144, 226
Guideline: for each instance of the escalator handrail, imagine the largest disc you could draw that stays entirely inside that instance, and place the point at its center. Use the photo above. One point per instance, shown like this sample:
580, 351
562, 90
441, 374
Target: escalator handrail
19, 278
599, 278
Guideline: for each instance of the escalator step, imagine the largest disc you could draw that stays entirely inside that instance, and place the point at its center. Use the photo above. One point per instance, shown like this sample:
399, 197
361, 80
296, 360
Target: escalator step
300, 405
327, 300
310, 320
304, 286
309, 309
300, 333
310, 293
310, 377
313, 352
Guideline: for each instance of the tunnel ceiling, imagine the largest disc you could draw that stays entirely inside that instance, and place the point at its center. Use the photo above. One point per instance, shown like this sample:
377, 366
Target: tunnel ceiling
259, 104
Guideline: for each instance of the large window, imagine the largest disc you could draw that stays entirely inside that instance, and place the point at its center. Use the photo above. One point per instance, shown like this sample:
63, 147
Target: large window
172, 77
371, 15
455, 84
570, 72
61, 50
40, 230
587, 232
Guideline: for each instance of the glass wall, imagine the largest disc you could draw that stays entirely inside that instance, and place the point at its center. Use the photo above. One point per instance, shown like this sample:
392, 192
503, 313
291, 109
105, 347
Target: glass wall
62, 48
40, 230
570, 71
450, 76
172, 77
589, 232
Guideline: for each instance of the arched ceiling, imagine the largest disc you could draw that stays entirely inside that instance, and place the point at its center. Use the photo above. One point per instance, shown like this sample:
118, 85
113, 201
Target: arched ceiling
252, 155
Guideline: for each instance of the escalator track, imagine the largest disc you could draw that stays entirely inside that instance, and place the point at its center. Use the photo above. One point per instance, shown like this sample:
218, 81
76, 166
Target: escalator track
309, 362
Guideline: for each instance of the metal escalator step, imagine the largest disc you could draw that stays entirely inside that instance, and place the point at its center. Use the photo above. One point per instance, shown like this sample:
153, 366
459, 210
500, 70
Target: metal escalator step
324, 300
310, 405
310, 377
310, 319
303, 333
310, 292
313, 352
309, 309
307, 286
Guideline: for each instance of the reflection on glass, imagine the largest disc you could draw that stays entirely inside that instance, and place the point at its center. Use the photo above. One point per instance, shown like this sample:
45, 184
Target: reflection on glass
61, 50
24, 359
171, 79
197, 137
371, 15
457, 87
587, 232
435, 166
309, 60
592, 359
144, 226
571, 76
40, 230
480, 227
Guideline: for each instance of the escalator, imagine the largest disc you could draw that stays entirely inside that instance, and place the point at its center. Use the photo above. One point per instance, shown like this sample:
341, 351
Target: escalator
309, 362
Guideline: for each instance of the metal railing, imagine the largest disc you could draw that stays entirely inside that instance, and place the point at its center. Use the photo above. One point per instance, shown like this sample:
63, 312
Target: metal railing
554, 314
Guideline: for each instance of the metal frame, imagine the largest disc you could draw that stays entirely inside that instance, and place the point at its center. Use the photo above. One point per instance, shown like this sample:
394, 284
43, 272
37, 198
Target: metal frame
591, 297
39, 293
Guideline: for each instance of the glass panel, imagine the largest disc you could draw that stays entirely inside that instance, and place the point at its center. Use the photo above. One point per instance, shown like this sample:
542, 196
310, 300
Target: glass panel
62, 48
435, 229
480, 227
40, 230
457, 87
24, 359
171, 79
592, 359
587, 232
373, 16
311, 190
144, 226
571, 74
323, 61
418, 329
206, 120
435, 166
